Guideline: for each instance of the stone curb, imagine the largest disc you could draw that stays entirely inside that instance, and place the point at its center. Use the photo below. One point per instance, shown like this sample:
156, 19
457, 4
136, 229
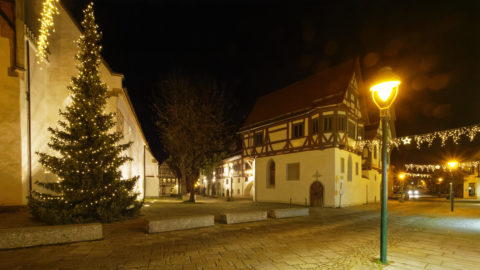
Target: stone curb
49, 235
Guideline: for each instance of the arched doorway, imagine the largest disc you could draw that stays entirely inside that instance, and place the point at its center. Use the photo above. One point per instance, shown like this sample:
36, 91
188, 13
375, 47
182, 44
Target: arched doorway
316, 194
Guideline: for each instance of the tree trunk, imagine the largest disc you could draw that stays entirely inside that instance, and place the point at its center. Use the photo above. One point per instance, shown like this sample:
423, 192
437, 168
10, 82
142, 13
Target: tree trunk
192, 190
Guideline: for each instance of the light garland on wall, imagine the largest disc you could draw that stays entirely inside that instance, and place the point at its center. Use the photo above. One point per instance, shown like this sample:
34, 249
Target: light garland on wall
434, 167
46, 26
455, 134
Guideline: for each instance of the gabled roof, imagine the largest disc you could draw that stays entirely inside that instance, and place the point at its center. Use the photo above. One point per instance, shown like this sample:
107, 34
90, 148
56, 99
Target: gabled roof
324, 88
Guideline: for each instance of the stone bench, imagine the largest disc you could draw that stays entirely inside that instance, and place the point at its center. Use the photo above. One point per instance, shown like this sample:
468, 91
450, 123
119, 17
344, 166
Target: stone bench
49, 235
179, 223
288, 212
241, 217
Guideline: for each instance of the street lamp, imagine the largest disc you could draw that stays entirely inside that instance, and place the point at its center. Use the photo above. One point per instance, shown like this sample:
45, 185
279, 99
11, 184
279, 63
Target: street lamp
384, 94
452, 165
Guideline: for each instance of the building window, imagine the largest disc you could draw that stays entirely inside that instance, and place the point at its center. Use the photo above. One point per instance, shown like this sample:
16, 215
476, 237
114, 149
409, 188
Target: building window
350, 169
327, 124
360, 133
342, 165
238, 191
375, 152
351, 129
226, 181
315, 126
356, 168
271, 174
293, 171
258, 139
238, 180
120, 122
342, 123
297, 130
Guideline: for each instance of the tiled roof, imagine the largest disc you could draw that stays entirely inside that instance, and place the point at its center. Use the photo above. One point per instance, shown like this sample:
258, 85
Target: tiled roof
324, 88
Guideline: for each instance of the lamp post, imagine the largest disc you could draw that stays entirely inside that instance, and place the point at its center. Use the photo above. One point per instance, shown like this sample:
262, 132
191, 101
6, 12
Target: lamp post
384, 94
401, 176
452, 165
440, 180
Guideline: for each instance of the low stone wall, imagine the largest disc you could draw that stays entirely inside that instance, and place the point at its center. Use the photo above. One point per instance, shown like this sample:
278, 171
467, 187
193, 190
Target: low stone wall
241, 217
48, 235
288, 212
179, 223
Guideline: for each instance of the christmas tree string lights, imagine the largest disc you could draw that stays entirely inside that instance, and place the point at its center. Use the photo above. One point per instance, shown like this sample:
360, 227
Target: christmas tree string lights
84, 154
46, 26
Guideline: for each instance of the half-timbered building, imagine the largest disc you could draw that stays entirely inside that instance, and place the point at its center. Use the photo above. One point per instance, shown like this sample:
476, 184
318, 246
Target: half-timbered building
302, 139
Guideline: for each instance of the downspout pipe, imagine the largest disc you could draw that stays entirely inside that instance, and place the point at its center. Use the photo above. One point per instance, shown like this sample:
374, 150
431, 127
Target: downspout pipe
29, 122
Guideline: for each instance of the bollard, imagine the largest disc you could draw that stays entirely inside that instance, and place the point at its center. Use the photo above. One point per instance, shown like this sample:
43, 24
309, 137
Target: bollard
451, 196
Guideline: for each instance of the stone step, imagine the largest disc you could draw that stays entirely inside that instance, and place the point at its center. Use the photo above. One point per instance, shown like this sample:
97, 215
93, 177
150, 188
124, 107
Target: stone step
179, 223
288, 212
49, 235
241, 217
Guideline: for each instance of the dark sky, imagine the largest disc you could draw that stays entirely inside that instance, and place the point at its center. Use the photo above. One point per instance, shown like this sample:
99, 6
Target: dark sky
258, 46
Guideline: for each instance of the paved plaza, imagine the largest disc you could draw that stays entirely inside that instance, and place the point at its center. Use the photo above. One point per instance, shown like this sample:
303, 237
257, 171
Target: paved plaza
422, 235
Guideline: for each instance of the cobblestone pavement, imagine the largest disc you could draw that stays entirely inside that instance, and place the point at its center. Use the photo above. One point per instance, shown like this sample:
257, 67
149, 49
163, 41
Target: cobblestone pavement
422, 235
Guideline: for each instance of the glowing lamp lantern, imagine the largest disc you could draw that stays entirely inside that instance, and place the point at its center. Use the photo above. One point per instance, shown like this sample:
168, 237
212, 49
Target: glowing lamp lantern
452, 164
401, 176
384, 93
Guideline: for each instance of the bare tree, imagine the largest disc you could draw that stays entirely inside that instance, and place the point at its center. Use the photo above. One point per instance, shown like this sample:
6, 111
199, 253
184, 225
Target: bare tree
192, 125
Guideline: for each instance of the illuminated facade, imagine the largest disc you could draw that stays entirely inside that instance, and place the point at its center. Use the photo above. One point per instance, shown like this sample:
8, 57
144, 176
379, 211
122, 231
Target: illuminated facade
31, 94
234, 177
302, 139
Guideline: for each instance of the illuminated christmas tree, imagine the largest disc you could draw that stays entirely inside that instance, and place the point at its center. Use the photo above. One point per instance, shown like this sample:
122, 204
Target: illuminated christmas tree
87, 153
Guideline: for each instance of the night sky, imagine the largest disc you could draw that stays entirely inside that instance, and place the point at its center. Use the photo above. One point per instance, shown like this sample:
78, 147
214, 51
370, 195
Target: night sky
256, 46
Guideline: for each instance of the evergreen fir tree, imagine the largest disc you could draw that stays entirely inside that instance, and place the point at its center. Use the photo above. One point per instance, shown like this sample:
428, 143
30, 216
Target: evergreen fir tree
88, 154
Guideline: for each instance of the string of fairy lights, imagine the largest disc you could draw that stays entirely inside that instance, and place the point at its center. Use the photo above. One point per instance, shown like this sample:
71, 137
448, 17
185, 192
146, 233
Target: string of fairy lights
434, 167
46, 27
428, 139
418, 175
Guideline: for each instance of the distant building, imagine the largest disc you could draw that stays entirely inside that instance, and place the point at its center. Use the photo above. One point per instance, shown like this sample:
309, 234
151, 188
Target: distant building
165, 184
31, 95
471, 184
301, 139
232, 178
